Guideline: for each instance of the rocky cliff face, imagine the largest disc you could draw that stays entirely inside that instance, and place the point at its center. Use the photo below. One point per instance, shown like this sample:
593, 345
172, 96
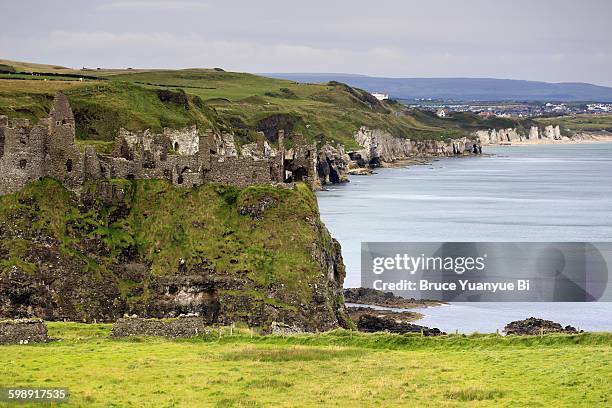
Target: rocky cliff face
258, 255
380, 148
506, 136
332, 164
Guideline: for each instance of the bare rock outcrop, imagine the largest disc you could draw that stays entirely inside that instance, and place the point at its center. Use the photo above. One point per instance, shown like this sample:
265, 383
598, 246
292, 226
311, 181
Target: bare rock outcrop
534, 326
499, 136
552, 132
332, 164
380, 146
372, 324
511, 135
368, 296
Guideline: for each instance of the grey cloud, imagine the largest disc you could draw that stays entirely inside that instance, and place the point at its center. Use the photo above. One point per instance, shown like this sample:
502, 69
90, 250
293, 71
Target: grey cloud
157, 5
545, 40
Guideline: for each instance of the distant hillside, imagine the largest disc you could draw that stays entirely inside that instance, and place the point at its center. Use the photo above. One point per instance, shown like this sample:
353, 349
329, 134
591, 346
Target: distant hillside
104, 100
477, 89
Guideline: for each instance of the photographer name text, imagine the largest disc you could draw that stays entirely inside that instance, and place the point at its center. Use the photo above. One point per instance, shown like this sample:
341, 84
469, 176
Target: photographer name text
465, 285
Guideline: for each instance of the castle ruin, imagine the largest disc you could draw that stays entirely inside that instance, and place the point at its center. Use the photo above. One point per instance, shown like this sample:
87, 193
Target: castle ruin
184, 157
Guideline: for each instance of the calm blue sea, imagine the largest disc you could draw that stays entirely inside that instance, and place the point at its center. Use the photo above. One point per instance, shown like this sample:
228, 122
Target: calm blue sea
520, 193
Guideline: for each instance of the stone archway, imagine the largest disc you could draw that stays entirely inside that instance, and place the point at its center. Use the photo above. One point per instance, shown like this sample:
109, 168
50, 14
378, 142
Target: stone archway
300, 174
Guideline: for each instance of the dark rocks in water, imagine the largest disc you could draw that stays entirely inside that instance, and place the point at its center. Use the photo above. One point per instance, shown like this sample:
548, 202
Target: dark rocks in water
404, 316
372, 324
23, 331
534, 326
367, 296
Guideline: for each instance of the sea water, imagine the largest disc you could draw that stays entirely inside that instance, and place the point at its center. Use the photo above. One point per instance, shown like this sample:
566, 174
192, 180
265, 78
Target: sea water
560, 192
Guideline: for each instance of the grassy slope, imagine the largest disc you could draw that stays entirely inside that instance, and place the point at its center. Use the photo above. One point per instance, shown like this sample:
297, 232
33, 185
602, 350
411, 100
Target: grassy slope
333, 369
128, 98
578, 123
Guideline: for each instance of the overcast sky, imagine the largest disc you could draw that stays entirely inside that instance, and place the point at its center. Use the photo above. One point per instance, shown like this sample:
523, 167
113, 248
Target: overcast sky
555, 41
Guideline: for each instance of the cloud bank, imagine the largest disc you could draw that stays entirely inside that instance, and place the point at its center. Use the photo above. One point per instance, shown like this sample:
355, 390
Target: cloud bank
556, 41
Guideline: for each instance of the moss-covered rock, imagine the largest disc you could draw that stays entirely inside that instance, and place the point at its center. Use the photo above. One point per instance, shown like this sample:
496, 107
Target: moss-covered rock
256, 255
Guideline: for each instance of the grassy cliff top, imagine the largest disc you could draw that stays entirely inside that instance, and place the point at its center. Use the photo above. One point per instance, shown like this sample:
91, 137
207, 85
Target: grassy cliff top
580, 123
256, 243
105, 100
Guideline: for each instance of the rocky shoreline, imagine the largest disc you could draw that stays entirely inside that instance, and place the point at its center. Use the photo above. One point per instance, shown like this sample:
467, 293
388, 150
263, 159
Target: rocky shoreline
373, 297
368, 308
534, 326
381, 149
356, 312
334, 164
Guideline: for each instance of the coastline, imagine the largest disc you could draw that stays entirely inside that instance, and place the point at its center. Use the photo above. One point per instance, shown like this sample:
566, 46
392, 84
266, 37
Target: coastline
464, 314
594, 140
429, 159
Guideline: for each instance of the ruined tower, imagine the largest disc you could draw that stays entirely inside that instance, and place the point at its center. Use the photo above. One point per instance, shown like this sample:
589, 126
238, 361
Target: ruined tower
63, 160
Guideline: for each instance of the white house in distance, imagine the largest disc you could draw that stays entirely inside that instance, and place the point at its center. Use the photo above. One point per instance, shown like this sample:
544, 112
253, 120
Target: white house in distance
442, 113
380, 96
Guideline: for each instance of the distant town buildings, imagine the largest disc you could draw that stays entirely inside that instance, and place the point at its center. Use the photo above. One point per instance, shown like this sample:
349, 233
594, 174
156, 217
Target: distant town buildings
443, 108
599, 107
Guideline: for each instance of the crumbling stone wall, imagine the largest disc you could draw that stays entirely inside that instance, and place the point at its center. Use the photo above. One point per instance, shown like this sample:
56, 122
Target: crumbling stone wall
183, 141
23, 331
300, 162
185, 157
22, 160
188, 326
240, 172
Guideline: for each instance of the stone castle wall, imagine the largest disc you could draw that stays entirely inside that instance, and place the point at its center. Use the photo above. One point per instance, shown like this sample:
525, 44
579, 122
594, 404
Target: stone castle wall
23, 331
237, 171
185, 157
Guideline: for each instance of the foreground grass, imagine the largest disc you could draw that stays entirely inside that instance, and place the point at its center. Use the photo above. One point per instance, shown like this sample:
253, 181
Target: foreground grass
332, 369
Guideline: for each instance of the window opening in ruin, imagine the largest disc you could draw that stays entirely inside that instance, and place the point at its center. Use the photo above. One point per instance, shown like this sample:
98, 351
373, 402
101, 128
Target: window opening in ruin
176, 146
123, 151
180, 177
69, 165
22, 163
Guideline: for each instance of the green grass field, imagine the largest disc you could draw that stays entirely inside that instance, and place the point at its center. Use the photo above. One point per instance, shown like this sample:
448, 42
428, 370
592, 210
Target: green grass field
578, 123
332, 369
